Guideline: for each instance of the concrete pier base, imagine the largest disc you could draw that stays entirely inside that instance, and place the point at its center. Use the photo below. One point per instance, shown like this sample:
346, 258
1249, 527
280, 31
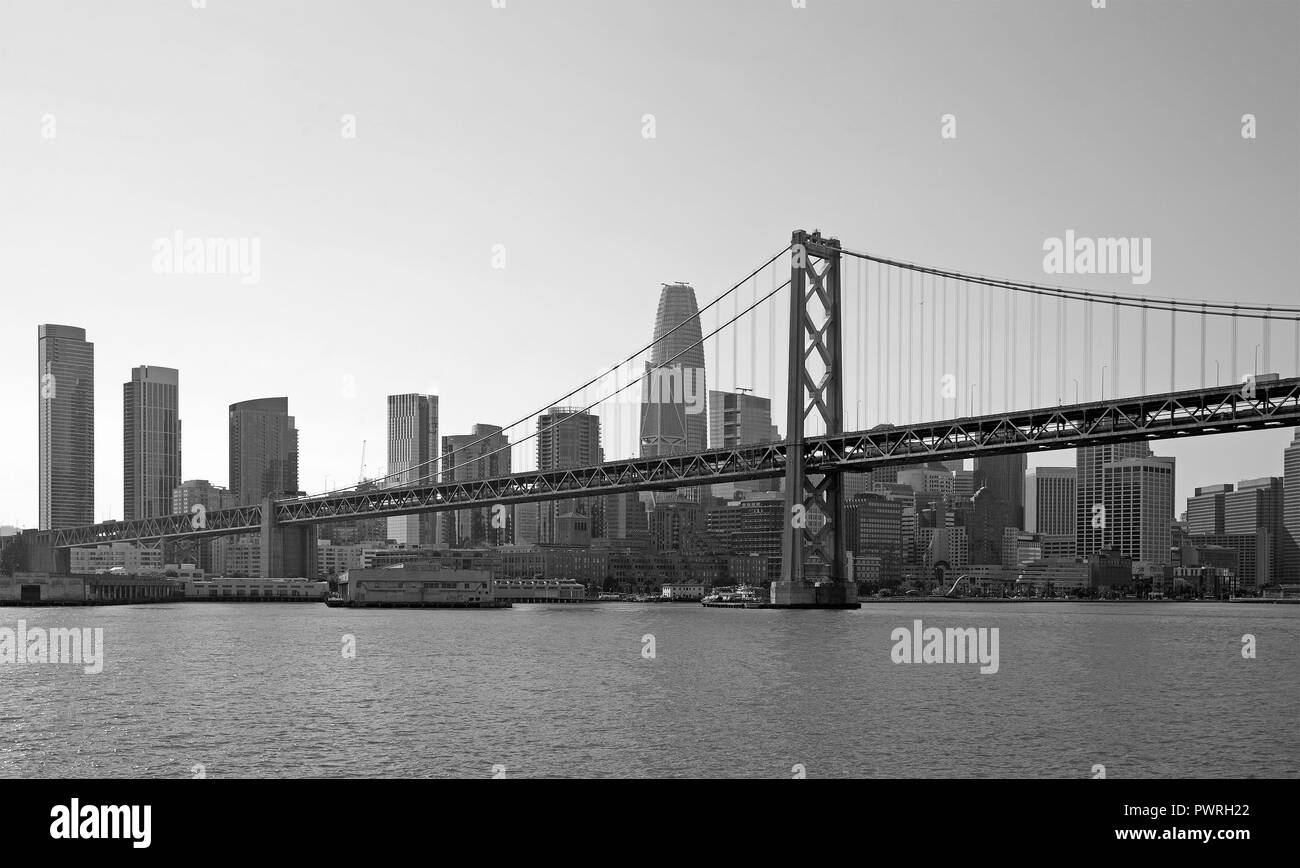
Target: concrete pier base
814, 595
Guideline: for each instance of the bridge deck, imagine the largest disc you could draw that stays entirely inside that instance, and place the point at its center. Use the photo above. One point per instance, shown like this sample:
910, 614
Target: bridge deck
1195, 412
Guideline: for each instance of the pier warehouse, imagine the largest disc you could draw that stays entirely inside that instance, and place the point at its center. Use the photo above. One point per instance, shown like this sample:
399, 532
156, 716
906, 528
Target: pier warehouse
419, 588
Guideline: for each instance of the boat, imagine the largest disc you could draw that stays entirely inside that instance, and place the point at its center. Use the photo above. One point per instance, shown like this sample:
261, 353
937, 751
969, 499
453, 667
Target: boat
334, 601
741, 597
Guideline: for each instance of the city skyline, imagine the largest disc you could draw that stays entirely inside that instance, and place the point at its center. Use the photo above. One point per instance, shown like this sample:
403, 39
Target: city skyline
86, 242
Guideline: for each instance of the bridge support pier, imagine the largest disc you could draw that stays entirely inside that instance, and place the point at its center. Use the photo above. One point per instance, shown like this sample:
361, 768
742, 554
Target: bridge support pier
813, 562
286, 552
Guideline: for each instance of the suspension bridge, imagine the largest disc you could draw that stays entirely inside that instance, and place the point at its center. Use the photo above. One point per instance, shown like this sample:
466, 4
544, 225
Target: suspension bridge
954, 357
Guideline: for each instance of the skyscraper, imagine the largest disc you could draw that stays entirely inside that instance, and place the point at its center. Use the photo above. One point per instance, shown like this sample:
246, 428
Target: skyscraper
1290, 553
1205, 509
567, 437
66, 388
151, 441
1049, 501
263, 450
1089, 512
740, 419
674, 387
481, 454
413, 451
1256, 507
999, 504
1139, 501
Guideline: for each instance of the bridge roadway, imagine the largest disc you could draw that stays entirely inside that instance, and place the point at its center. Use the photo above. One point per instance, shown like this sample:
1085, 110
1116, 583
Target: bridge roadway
1214, 410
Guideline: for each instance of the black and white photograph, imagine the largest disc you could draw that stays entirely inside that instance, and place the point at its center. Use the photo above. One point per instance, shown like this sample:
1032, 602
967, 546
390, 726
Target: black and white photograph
398, 394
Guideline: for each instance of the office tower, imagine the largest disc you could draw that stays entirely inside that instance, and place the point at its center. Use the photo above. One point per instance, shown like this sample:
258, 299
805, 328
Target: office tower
875, 525
151, 441
481, 454
184, 498
673, 388
1049, 501
66, 389
1090, 462
1139, 502
567, 437
1205, 509
263, 450
963, 482
625, 517
1256, 507
999, 503
739, 419
1290, 547
413, 451
925, 480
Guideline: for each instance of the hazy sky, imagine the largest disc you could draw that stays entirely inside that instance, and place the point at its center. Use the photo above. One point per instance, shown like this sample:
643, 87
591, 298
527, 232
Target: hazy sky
523, 127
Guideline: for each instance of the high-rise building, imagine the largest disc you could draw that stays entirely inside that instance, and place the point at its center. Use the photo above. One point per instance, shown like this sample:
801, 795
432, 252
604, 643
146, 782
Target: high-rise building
185, 497
413, 451
567, 437
625, 517
1205, 509
151, 441
1290, 547
740, 419
482, 454
1256, 507
674, 388
1050, 494
1139, 507
999, 503
263, 450
66, 382
1090, 521
875, 525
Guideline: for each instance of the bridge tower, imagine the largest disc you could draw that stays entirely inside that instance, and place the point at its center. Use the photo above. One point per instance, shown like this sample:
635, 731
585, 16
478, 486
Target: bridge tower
813, 563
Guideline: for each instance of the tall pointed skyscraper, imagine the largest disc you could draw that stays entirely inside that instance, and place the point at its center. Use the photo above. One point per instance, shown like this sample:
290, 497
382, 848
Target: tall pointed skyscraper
673, 389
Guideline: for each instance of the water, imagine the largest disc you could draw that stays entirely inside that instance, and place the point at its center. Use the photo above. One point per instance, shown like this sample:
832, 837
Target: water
263, 690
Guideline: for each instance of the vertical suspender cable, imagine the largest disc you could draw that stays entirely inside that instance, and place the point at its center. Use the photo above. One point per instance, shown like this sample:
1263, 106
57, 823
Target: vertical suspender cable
1203, 322
1232, 362
1173, 342
1114, 353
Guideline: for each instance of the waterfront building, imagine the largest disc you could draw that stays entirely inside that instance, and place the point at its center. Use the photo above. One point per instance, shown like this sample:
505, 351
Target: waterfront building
126, 558
413, 587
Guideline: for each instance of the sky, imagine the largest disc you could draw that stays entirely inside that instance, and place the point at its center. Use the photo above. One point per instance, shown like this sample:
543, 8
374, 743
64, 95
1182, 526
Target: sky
485, 137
